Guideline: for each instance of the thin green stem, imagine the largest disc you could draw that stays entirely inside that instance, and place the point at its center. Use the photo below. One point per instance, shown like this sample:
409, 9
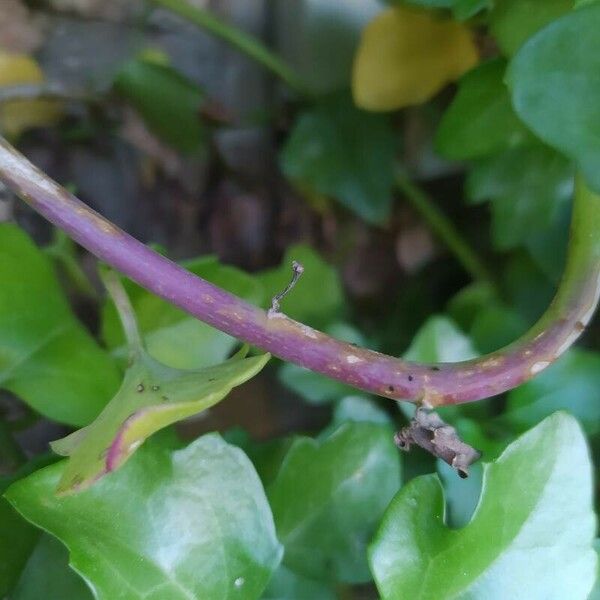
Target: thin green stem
62, 251
119, 296
244, 42
443, 228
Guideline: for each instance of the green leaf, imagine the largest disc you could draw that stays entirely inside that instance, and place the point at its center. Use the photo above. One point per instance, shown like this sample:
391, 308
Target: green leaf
316, 388
152, 396
193, 523
171, 335
461, 494
571, 384
440, 340
47, 575
169, 103
337, 150
528, 187
317, 298
464, 306
555, 87
287, 585
328, 498
548, 248
358, 409
17, 540
47, 358
531, 534
512, 22
496, 326
480, 121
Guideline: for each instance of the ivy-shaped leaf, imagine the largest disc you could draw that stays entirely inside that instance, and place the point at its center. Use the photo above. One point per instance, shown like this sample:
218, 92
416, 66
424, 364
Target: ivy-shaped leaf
47, 575
572, 384
184, 524
47, 358
344, 153
555, 87
531, 533
329, 496
408, 55
528, 187
480, 120
169, 103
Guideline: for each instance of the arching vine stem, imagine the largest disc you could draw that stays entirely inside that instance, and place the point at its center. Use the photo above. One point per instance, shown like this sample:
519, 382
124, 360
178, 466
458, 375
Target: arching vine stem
429, 384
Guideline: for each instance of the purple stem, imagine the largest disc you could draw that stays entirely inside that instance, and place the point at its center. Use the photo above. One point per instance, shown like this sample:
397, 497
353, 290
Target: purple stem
430, 384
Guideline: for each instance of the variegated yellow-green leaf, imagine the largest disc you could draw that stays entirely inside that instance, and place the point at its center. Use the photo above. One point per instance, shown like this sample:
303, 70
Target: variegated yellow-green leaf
151, 397
408, 55
18, 115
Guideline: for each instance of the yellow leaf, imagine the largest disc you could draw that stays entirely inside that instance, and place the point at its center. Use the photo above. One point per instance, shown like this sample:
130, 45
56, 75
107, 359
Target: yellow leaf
18, 115
406, 56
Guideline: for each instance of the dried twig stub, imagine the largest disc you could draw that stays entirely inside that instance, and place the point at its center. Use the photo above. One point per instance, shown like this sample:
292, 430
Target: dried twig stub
297, 270
428, 431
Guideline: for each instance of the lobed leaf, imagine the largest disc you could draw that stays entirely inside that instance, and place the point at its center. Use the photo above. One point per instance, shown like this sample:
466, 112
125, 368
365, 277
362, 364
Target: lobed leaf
571, 384
47, 358
169, 103
345, 153
528, 187
329, 496
480, 121
47, 575
555, 87
531, 535
152, 396
190, 523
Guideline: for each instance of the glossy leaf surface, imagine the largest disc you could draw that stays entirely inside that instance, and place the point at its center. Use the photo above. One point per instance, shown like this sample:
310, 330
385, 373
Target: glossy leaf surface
47, 358
531, 534
191, 523
329, 496
555, 84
